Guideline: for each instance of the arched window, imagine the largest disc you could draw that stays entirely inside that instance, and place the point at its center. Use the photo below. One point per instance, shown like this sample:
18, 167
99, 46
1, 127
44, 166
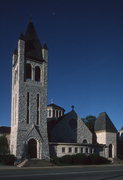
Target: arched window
37, 73
28, 71
85, 141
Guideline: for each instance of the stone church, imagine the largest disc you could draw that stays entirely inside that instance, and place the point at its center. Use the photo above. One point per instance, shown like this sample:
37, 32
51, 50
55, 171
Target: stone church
29, 97
41, 131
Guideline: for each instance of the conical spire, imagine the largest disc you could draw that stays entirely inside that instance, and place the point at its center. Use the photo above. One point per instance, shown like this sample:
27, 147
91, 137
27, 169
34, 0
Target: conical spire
33, 46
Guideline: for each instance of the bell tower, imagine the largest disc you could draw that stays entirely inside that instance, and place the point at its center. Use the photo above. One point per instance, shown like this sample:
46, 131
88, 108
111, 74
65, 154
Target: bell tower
29, 97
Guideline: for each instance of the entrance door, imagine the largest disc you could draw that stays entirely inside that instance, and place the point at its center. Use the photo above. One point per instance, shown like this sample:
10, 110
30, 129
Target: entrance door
110, 150
32, 148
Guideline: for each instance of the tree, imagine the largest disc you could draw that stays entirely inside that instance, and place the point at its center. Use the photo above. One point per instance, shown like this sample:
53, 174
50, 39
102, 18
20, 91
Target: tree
90, 122
4, 147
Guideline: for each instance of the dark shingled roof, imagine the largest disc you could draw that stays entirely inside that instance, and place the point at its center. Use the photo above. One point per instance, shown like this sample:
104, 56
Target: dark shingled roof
69, 119
33, 48
55, 106
103, 122
5, 130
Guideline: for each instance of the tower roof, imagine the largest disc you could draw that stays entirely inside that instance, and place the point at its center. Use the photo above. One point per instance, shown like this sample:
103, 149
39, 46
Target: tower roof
33, 48
103, 123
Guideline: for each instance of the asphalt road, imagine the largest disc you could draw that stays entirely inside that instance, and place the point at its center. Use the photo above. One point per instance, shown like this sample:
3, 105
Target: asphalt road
64, 173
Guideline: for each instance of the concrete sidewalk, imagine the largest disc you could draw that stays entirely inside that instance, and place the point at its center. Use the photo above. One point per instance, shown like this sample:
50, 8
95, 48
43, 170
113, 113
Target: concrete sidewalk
3, 167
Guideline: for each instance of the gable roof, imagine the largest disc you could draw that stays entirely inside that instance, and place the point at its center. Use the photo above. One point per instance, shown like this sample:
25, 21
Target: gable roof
34, 132
103, 123
69, 119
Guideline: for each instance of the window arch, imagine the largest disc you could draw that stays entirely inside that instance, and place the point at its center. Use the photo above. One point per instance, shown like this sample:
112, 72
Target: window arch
28, 71
37, 73
84, 141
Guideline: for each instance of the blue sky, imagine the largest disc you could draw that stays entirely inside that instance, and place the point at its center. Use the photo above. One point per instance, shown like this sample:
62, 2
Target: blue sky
85, 41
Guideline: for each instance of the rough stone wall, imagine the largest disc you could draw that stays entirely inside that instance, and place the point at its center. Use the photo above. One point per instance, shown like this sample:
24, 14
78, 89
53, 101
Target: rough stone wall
80, 148
20, 131
71, 129
83, 132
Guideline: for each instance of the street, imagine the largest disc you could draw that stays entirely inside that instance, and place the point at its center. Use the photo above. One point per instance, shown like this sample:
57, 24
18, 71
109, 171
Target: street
64, 173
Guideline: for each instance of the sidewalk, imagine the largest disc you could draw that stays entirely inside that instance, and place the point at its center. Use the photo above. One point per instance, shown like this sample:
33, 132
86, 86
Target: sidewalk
3, 167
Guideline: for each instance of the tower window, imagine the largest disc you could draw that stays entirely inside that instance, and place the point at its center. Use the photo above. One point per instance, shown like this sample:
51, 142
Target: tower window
28, 108
37, 109
37, 73
28, 71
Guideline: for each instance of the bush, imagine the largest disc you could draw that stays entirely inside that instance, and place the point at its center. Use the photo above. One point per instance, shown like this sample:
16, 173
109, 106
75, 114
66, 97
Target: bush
7, 159
67, 159
4, 147
96, 159
79, 159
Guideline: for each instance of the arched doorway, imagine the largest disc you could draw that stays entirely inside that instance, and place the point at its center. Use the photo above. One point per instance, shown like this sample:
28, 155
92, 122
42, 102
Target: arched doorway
32, 148
110, 150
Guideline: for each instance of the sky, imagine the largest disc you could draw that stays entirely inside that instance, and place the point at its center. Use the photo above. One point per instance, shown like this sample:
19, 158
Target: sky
85, 41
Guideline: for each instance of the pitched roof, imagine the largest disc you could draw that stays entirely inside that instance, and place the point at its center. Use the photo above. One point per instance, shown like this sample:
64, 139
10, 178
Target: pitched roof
69, 119
103, 122
55, 106
5, 130
33, 48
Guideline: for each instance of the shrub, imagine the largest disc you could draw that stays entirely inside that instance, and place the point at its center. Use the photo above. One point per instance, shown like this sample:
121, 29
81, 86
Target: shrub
67, 159
4, 147
96, 159
80, 159
7, 159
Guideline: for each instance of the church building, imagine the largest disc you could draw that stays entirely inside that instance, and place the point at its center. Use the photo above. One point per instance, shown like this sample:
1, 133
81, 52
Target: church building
41, 131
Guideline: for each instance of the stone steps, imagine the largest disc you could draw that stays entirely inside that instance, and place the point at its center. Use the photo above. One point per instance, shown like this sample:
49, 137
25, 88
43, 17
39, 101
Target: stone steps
21, 164
37, 163
118, 161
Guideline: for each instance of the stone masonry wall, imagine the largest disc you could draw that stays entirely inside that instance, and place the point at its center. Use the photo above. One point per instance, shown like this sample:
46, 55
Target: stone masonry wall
19, 134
